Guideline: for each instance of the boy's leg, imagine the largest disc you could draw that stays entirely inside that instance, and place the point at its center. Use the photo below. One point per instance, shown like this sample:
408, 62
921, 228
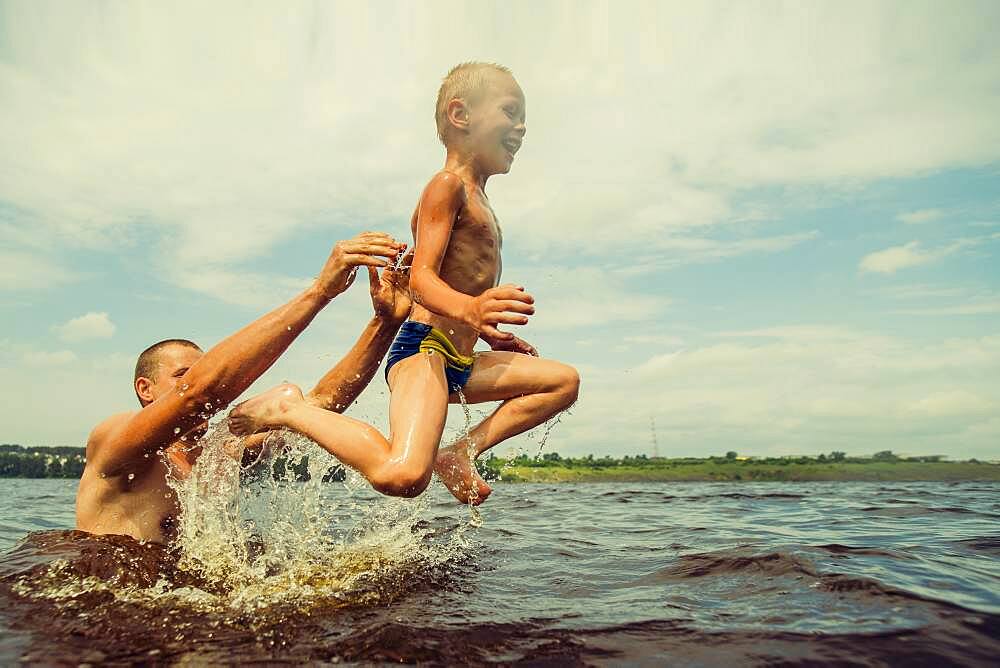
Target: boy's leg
418, 408
417, 412
532, 390
353, 442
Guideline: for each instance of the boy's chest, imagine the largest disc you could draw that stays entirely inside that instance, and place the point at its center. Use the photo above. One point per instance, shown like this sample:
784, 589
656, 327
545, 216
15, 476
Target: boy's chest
477, 226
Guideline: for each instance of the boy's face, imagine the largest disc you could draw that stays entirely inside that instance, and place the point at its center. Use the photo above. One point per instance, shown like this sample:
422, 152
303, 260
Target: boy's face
496, 124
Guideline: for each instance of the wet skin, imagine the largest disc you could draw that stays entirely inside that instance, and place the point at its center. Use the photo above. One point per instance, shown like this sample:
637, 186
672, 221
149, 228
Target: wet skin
454, 276
137, 501
124, 488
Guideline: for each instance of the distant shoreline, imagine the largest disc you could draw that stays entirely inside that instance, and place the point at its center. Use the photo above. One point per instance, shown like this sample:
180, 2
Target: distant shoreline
749, 471
33, 462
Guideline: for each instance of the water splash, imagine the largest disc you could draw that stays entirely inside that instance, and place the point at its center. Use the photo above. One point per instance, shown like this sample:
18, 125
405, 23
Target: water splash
281, 534
260, 544
465, 436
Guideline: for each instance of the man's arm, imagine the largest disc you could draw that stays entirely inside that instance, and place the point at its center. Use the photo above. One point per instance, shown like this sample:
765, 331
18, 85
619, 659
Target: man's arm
226, 370
439, 206
338, 389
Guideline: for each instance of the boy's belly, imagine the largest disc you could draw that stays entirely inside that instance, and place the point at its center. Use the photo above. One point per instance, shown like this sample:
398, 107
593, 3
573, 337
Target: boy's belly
462, 336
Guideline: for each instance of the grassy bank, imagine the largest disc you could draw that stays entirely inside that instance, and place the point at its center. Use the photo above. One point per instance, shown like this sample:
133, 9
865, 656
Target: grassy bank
749, 471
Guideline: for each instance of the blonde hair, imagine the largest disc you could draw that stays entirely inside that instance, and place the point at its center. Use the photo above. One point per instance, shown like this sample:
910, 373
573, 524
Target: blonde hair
465, 81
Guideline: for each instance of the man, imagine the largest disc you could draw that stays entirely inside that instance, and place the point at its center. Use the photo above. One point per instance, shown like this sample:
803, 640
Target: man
124, 488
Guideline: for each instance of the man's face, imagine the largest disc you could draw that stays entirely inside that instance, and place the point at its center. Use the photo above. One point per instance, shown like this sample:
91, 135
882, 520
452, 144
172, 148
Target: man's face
172, 362
496, 124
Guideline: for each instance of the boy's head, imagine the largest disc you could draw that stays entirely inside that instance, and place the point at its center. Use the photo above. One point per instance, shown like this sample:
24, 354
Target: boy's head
480, 110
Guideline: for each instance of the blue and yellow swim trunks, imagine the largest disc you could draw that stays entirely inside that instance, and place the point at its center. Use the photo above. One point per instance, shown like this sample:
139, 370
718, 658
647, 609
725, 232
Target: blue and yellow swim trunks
417, 337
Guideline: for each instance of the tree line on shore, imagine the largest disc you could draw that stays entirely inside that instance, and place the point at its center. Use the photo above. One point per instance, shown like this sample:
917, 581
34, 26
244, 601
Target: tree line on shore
18, 461
550, 459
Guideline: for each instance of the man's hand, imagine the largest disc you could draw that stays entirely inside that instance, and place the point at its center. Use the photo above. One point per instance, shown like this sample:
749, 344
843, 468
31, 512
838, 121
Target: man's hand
368, 249
507, 304
390, 290
512, 345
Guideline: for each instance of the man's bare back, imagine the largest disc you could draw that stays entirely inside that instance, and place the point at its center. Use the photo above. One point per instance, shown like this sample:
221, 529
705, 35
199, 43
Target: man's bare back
471, 262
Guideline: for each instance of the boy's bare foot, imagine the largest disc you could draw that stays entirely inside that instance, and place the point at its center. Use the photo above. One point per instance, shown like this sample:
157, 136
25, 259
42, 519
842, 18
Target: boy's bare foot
264, 410
459, 475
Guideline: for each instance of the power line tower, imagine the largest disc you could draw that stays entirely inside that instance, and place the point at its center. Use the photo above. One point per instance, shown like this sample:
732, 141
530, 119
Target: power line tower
652, 433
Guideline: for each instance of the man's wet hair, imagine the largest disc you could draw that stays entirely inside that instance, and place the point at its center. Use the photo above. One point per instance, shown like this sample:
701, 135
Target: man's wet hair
145, 366
464, 81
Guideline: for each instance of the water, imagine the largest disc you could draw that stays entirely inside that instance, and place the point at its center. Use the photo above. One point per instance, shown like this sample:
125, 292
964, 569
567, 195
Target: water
647, 574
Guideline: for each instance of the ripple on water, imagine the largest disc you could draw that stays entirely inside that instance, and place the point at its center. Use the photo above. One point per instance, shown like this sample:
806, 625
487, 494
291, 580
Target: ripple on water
339, 573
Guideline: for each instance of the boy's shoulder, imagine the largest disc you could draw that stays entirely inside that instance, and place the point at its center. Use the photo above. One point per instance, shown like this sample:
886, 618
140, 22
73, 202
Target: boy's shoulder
445, 185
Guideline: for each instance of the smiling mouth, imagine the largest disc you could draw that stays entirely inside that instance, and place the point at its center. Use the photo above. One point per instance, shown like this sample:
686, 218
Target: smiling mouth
512, 145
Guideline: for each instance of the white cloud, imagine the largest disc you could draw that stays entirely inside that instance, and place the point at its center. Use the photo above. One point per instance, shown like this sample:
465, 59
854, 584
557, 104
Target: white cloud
244, 288
891, 260
88, 326
923, 291
673, 251
921, 216
219, 132
978, 307
655, 339
21, 270
952, 402
44, 358
569, 297
200, 138
790, 389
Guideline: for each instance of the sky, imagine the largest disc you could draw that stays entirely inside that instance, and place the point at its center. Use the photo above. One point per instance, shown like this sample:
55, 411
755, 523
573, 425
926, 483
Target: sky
765, 227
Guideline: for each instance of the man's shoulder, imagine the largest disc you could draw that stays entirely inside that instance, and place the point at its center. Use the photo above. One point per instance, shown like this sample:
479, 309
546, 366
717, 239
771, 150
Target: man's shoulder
108, 426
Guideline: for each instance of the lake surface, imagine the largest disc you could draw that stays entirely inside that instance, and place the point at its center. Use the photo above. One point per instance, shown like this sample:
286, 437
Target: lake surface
700, 574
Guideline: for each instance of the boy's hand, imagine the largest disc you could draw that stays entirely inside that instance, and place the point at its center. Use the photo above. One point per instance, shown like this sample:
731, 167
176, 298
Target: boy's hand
507, 305
390, 290
512, 345
366, 248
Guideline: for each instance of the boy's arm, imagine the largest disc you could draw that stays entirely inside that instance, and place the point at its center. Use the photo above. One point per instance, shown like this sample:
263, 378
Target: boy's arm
512, 345
343, 383
226, 370
508, 304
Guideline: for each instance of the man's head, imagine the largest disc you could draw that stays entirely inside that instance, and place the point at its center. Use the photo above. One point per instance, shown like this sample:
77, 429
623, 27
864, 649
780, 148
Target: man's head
480, 111
161, 365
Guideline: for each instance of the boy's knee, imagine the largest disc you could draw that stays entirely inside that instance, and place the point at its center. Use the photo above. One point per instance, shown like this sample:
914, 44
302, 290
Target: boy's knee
402, 480
569, 384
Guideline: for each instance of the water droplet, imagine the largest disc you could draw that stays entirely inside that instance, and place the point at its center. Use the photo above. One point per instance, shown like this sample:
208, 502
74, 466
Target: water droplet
185, 386
475, 517
159, 452
208, 405
146, 456
131, 476
289, 329
104, 475
357, 375
451, 332
177, 430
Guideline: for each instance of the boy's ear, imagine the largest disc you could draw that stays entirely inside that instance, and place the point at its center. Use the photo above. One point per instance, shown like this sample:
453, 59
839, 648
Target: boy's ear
458, 113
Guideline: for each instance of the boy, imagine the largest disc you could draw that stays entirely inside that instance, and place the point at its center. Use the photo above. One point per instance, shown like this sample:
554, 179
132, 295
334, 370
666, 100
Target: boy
480, 116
